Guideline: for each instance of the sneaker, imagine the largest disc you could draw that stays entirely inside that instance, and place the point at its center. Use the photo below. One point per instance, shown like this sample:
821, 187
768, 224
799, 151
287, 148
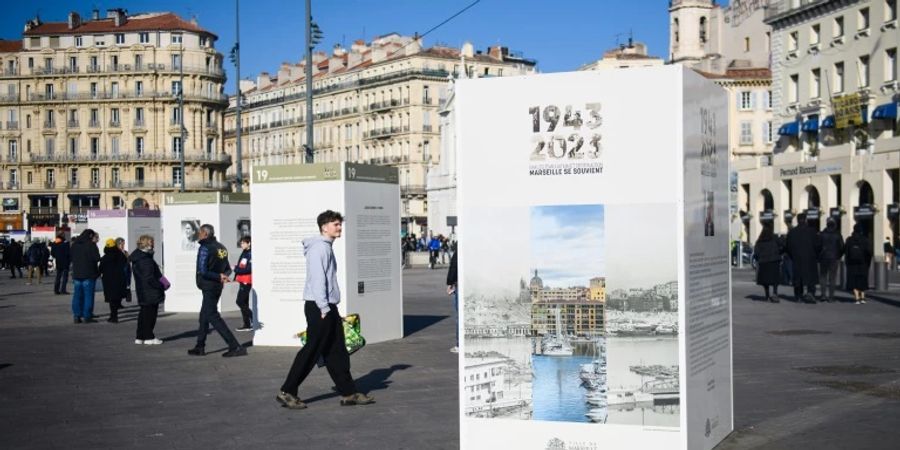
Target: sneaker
240, 351
244, 328
77, 320
197, 351
90, 320
289, 401
139, 341
154, 341
454, 350
858, 303
357, 399
862, 300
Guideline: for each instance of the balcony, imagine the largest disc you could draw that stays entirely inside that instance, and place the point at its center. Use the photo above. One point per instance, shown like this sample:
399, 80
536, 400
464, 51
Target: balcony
12, 185
50, 184
72, 184
9, 98
43, 210
49, 124
139, 123
12, 125
72, 124
94, 123
426, 128
10, 71
115, 124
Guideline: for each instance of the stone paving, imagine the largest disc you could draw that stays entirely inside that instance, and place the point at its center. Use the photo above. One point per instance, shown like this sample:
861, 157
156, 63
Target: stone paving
823, 376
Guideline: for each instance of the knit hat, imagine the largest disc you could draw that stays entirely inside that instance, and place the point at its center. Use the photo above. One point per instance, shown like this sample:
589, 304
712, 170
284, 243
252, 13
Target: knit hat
110, 242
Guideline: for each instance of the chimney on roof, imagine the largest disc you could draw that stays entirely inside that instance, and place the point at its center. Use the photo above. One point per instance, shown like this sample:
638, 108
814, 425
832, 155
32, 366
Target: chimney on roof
413, 47
263, 80
33, 23
497, 52
467, 50
95, 14
74, 20
118, 15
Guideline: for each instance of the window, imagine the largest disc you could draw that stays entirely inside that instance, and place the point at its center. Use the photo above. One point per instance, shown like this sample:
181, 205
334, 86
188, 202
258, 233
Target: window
815, 83
73, 176
674, 30
138, 88
814, 34
73, 146
176, 62
890, 10
139, 174
176, 116
746, 133
120, 38
176, 88
13, 150
93, 90
94, 64
114, 176
73, 64
138, 116
176, 38
114, 116
890, 64
50, 146
114, 145
203, 41
747, 44
95, 117
99, 41
31, 63
746, 100
139, 145
95, 177
176, 176
838, 26
767, 132
138, 62
50, 175
176, 145
79, 41
95, 147
14, 176
703, 30
864, 71
863, 19
769, 100
794, 92
114, 89
793, 40
144, 37
426, 99
839, 77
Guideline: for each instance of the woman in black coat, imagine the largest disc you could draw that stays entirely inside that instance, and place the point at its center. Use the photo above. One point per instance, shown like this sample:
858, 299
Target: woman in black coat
858, 257
149, 289
114, 272
768, 258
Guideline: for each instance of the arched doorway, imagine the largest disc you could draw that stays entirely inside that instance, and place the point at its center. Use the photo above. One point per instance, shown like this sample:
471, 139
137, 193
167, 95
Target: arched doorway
864, 212
813, 207
767, 208
139, 203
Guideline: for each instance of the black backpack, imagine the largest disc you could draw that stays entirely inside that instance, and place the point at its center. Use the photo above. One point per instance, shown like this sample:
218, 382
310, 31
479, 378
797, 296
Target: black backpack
855, 253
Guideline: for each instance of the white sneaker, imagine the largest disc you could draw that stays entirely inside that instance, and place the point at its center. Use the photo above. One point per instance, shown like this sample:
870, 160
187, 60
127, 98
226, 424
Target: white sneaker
454, 350
863, 301
858, 303
138, 341
154, 341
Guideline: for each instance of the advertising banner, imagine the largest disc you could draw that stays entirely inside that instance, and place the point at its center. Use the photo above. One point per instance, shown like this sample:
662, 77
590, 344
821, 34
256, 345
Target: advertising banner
847, 110
286, 203
574, 316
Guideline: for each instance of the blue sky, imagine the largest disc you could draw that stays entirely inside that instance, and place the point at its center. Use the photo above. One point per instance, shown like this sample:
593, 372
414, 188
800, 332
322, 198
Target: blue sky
560, 34
568, 244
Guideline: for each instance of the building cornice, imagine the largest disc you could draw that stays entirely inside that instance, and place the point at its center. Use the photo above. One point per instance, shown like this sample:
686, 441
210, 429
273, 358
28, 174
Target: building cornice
814, 9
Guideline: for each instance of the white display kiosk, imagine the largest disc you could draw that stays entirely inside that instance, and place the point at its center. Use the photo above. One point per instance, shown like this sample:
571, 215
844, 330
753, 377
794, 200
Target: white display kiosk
594, 270
128, 224
286, 202
182, 216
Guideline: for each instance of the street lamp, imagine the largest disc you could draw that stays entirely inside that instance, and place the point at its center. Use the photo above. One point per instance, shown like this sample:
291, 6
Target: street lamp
313, 36
236, 60
181, 111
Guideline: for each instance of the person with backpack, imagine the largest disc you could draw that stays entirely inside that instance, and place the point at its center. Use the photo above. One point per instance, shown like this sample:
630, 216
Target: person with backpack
768, 256
35, 259
829, 258
434, 248
858, 257
60, 251
243, 274
115, 273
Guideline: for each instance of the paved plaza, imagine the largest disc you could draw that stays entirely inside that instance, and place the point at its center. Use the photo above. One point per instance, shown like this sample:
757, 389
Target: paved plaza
823, 376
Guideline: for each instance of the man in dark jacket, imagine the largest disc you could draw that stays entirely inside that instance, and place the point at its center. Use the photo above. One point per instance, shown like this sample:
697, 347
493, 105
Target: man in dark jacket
85, 259
829, 257
63, 259
803, 245
35, 259
213, 270
13, 258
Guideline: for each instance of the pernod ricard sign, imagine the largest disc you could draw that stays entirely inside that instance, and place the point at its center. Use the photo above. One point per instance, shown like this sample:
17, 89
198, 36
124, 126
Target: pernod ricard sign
812, 168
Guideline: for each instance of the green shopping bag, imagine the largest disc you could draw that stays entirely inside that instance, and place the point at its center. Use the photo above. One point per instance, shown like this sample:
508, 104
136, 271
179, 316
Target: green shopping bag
352, 335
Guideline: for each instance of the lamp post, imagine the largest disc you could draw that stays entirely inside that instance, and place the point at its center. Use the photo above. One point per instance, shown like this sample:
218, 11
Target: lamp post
181, 111
236, 59
313, 37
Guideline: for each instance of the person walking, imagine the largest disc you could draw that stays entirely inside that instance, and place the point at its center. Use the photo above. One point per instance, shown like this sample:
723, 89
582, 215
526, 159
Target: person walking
453, 291
243, 274
213, 270
149, 288
114, 273
62, 257
325, 332
888, 253
434, 248
829, 259
35, 259
15, 258
803, 245
858, 258
85, 271
45, 257
768, 257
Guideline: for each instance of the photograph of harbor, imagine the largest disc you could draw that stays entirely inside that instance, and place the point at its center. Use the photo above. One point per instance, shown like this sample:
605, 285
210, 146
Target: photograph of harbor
567, 293
642, 317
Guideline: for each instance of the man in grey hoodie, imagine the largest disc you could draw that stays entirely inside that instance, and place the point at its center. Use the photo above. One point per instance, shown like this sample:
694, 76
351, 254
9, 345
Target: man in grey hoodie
324, 327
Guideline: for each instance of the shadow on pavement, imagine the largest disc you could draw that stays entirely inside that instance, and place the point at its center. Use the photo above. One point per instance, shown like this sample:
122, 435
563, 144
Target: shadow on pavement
883, 300
185, 335
375, 380
7, 306
414, 324
133, 318
5, 365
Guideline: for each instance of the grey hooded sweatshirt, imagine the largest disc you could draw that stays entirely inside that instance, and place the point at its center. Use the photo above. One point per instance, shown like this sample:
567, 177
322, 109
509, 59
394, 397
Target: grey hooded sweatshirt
321, 273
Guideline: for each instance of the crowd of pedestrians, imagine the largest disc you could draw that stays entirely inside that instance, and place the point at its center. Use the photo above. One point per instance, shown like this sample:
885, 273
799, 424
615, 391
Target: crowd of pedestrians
439, 248
810, 261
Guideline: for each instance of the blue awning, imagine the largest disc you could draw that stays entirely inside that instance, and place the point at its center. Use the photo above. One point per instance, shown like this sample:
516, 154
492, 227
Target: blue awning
790, 129
811, 125
886, 111
828, 122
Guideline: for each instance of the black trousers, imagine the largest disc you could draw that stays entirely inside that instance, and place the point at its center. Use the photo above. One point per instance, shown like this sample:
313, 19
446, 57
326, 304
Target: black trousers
62, 281
209, 314
828, 274
325, 338
243, 302
146, 321
798, 289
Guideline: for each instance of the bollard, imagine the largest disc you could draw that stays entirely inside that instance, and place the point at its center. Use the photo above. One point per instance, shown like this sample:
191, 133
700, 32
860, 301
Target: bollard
881, 276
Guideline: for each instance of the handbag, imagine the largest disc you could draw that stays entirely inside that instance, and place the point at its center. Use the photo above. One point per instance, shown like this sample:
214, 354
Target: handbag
165, 283
353, 337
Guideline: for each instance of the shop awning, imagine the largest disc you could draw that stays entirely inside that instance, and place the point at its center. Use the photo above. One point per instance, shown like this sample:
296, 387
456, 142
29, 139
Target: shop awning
811, 125
828, 122
886, 111
790, 129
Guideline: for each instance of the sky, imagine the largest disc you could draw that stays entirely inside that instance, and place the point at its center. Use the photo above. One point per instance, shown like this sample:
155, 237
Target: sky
567, 244
561, 35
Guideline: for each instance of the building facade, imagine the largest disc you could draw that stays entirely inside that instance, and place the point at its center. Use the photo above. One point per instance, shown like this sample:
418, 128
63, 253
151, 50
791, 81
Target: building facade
374, 103
90, 117
634, 54
837, 153
581, 309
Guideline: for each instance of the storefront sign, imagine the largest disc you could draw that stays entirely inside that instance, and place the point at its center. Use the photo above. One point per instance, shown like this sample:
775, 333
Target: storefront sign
847, 110
11, 203
767, 216
863, 212
835, 213
788, 216
812, 168
812, 214
893, 211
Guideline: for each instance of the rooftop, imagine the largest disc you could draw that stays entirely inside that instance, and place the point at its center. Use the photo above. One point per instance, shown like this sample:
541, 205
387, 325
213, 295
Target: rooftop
162, 21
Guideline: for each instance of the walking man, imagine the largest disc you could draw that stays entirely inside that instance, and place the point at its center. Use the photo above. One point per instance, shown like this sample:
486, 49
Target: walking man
325, 332
888, 253
85, 271
803, 245
829, 258
63, 259
243, 274
213, 270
